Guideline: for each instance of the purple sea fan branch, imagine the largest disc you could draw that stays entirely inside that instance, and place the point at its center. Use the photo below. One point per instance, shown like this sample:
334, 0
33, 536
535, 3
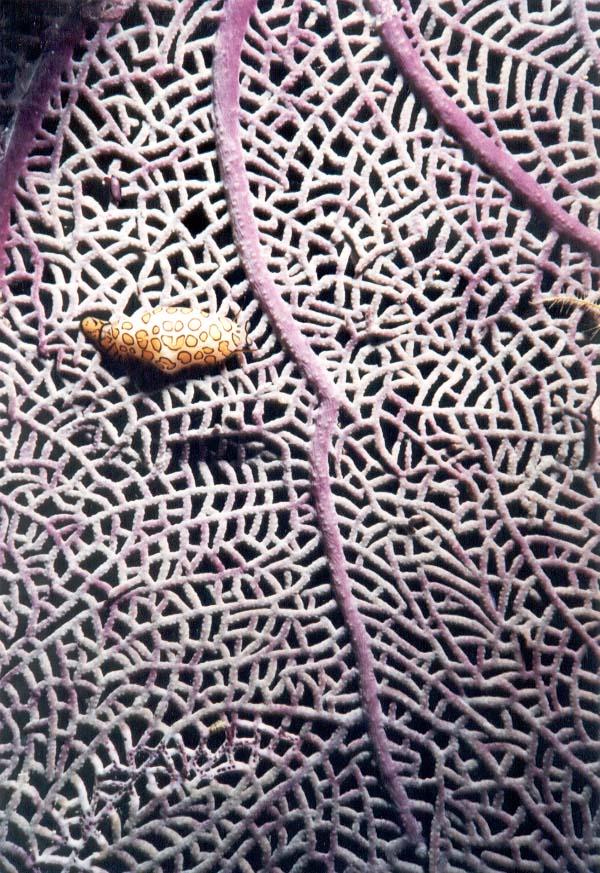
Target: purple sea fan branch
398, 36
55, 57
226, 71
60, 43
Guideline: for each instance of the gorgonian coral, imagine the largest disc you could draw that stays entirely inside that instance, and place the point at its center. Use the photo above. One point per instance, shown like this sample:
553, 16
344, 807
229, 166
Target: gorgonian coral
281, 616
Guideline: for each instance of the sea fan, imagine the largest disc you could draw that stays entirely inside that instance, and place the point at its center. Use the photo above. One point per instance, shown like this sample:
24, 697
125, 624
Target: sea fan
333, 607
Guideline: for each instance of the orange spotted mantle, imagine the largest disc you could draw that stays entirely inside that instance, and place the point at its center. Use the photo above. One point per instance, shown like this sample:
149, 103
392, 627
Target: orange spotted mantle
170, 338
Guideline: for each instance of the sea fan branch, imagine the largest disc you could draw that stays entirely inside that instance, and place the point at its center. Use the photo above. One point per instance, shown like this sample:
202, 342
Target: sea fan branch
233, 25
397, 33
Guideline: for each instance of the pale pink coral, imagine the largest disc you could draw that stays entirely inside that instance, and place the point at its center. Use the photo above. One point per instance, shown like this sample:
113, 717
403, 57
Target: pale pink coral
259, 619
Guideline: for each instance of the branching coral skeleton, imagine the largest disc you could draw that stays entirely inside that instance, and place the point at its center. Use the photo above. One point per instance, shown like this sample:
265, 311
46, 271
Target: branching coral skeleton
295, 613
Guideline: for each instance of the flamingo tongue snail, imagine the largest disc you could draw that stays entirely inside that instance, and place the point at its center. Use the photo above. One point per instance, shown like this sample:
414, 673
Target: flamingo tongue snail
169, 338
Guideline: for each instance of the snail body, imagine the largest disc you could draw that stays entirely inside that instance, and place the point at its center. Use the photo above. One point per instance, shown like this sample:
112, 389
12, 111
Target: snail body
169, 338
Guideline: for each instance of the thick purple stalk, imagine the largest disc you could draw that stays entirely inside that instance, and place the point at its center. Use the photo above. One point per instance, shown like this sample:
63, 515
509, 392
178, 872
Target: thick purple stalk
55, 57
226, 71
395, 34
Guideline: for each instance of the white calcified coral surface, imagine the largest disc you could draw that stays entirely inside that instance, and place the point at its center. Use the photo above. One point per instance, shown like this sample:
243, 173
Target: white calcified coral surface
178, 691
